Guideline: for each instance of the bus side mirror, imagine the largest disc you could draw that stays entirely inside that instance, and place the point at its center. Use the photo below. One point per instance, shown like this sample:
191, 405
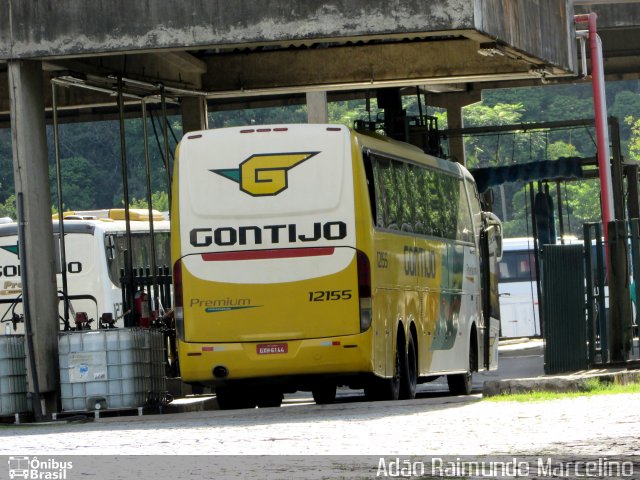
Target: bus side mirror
493, 226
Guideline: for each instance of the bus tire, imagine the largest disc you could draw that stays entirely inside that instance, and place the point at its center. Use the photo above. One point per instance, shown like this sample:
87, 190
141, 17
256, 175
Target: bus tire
462, 383
324, 394
233, 398
269, 399
409, 372
386, 388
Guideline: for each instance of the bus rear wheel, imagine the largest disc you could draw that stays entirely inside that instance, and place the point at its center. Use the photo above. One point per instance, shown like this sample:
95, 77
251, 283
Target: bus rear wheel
409, 372
324, 394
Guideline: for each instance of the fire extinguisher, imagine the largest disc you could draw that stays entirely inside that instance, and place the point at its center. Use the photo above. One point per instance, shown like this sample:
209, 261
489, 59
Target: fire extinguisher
141, 302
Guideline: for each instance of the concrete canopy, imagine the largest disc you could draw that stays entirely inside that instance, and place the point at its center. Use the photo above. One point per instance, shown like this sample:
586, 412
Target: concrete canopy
248, 48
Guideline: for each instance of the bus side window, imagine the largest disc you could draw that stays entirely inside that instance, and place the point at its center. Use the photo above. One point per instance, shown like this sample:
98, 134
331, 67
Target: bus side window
476, 212
389, 189
464, 230
372, 187
380, 172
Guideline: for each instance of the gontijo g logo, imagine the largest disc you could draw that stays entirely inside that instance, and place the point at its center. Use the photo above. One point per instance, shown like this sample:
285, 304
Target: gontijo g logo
266, 173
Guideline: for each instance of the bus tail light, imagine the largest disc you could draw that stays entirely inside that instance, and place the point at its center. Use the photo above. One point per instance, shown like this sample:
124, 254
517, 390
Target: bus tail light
364, 290
178, 301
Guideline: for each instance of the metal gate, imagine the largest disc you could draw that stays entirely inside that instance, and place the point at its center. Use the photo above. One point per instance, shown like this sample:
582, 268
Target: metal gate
563, 290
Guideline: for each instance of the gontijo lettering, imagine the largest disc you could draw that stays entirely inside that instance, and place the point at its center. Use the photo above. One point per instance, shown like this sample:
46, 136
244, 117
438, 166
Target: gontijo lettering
419, 262
270, 234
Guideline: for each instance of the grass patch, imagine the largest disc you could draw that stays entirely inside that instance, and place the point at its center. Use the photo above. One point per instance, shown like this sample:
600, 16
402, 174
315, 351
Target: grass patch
592, 386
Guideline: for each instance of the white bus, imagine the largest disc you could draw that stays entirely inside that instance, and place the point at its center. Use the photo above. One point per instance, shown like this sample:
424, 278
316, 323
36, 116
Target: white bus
518, 289
95, 245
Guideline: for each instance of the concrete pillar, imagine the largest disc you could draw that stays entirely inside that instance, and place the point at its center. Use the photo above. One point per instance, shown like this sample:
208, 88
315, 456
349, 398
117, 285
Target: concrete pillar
194, 114
454, 102
317, 110
31, 174
456, 143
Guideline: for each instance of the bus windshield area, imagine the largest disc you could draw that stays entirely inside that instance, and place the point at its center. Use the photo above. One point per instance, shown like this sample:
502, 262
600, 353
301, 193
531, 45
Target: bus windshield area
116, 246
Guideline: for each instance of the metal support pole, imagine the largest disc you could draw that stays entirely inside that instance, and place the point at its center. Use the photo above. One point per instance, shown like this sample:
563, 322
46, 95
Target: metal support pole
63, 249
165, 134
633, 200
616, 170
152, 237
602, 312
634, 225
588, 263
600, 108
560, 218
130, 321
619, 298
536, 257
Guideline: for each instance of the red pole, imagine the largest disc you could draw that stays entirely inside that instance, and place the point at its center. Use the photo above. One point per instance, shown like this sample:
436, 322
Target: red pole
602, 129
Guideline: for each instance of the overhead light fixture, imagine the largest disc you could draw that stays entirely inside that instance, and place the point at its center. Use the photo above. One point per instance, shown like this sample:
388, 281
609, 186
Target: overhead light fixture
490, 49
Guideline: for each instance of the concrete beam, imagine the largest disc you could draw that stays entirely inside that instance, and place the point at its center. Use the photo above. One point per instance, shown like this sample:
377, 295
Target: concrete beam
362, 66
543, 29
77, 27
534, 28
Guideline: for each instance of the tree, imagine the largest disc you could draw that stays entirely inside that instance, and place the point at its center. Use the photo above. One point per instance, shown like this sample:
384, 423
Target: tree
78, 179
8, 208
159, 201
482, 150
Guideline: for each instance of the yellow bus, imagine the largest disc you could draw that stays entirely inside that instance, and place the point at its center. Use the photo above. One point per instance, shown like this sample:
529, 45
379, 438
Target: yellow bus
308, 257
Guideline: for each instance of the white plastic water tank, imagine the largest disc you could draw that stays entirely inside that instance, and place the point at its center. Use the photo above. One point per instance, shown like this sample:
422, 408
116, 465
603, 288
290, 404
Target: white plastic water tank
13, 375
110, 369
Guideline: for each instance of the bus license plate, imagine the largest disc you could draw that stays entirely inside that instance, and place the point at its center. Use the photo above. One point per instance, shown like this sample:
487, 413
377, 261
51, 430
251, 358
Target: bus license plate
271, 348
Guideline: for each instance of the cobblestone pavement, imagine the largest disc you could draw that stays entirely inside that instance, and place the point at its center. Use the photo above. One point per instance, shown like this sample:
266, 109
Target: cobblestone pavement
343, 440
599, 425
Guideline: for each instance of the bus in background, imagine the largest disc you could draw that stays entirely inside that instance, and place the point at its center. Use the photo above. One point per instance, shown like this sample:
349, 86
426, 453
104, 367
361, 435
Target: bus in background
312, 256
95, 243
519, 316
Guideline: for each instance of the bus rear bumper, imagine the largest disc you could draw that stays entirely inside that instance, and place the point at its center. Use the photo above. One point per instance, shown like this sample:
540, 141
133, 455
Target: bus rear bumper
260, 361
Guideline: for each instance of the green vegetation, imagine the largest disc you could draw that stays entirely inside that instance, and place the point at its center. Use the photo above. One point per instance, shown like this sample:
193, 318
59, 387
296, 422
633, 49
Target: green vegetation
592, 386
92, 168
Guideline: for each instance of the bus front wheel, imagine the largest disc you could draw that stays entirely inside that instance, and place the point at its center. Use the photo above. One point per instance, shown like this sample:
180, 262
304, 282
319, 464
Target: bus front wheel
387, 388
462, 383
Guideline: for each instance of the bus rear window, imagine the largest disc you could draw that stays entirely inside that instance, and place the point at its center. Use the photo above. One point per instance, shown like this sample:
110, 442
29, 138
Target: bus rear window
517, 267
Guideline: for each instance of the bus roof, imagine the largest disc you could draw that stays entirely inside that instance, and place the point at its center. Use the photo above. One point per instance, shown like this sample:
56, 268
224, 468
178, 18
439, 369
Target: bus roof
90, 227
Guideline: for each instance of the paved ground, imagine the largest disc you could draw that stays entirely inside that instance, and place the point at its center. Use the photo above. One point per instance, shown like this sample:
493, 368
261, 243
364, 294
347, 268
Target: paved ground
433, 424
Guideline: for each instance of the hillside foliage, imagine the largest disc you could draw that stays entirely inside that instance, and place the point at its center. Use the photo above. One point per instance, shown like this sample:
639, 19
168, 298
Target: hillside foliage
92, 165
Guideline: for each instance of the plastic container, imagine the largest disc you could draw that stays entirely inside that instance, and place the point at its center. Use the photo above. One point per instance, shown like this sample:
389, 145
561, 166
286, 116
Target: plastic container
111, 369
13, 376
